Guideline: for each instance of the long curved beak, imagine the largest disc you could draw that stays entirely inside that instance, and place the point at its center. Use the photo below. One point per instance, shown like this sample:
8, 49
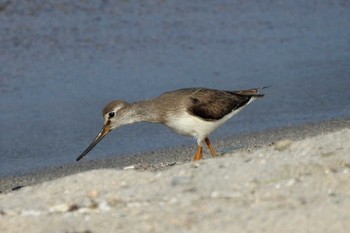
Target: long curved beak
105, 130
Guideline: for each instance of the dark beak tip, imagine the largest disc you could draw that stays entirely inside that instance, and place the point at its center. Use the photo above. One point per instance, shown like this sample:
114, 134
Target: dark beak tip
98, 138
81, 156
105, 130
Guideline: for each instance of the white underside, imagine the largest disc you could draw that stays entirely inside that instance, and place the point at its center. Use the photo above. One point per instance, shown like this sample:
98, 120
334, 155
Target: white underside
189, 125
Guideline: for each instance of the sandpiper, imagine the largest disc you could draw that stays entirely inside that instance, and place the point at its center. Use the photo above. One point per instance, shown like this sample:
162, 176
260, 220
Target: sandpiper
195, 112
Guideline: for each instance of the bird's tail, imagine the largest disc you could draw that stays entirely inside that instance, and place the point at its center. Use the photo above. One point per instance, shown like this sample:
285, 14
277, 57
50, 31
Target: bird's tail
254, 92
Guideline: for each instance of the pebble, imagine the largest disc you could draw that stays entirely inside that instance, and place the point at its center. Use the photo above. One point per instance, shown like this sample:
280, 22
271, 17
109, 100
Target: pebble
92, 194
30, 213
283, 144
64, 207
129, 167
227, 195
180, 180
104, 206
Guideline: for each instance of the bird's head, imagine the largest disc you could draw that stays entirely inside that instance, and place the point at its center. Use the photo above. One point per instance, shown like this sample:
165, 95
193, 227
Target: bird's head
114, 115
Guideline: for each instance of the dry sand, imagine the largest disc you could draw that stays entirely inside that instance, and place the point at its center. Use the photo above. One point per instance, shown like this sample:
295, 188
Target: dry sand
289, 186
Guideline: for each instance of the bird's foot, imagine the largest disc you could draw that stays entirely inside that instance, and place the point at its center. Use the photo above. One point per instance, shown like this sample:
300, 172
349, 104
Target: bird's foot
210, 147
199, 154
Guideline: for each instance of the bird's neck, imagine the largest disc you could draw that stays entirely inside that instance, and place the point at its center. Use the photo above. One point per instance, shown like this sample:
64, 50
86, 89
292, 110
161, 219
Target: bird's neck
144, 111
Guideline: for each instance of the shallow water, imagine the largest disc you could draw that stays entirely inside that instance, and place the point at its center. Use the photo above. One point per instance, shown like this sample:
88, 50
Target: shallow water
61, 62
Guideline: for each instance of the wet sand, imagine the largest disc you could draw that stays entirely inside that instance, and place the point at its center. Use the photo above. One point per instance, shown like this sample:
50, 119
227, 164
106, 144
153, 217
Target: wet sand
296, 183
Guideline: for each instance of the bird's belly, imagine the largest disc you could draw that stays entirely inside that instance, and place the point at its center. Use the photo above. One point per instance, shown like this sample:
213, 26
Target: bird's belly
189, 125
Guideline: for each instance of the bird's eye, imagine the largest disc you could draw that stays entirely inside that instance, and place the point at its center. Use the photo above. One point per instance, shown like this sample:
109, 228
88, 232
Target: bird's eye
111, 114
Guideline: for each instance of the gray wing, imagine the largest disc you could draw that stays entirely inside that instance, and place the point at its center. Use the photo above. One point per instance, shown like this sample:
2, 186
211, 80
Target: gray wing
215, 104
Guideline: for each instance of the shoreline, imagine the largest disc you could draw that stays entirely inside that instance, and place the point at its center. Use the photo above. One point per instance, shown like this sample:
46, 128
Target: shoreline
163, 159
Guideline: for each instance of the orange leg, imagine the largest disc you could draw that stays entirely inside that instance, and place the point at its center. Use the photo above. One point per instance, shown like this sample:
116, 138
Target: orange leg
210, 147
198, 155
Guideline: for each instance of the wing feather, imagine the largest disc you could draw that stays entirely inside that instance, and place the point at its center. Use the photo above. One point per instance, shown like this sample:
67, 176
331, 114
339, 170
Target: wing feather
214, 104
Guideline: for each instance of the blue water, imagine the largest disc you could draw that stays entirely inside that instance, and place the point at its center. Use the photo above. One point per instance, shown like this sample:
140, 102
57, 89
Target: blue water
62, 61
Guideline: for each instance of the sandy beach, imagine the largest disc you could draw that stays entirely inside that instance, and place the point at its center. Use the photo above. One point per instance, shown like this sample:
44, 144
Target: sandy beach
286, 186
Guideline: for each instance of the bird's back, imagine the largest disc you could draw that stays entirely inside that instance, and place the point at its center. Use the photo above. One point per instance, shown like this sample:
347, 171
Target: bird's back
210, 104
